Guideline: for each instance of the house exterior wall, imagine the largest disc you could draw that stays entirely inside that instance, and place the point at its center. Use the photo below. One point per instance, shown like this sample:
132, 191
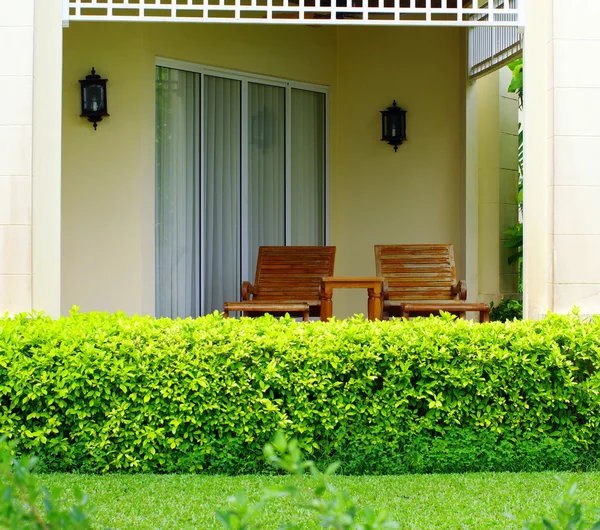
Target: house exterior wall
376, 195
416, 194
108, 177
561, 143
498, 175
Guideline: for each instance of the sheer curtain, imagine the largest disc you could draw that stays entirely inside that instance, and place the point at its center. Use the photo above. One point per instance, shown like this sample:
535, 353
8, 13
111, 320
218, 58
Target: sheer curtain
221, 205
307, 177
266, 169
177, 192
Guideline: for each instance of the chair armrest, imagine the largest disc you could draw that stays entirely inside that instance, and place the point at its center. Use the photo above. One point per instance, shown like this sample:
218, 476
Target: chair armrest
247, 290
460, 289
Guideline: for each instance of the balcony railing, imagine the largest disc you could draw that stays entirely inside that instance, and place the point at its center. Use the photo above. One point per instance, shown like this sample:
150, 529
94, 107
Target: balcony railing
491, 47
474, 13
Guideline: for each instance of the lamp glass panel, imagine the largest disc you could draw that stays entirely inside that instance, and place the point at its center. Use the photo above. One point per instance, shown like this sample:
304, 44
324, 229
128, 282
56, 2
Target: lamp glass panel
402, 125
394, 126
93, 98
385, 126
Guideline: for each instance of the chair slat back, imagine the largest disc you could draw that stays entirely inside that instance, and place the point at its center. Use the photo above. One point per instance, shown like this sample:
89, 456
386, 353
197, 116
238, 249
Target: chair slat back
417, 272
292, 273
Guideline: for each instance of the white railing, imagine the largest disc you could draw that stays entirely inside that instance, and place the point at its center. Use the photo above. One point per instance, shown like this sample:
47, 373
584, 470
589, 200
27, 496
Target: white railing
491, 47
340, 12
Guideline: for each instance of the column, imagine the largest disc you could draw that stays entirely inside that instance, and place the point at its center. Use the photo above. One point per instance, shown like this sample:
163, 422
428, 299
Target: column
575, 47
538, 173
562, 162
47, 159
16, 124
498, 177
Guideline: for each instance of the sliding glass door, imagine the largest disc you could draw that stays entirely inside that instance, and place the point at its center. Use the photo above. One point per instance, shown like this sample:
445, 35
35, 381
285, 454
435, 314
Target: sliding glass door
240, 163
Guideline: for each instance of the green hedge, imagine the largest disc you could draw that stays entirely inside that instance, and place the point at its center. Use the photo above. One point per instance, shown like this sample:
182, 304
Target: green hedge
106, 392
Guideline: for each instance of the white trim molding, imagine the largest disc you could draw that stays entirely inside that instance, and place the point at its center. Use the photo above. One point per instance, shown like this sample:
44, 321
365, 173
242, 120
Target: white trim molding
322, 12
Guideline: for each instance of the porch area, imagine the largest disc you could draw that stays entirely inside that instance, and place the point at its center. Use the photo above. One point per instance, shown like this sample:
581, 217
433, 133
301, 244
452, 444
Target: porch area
371, 194
450, 182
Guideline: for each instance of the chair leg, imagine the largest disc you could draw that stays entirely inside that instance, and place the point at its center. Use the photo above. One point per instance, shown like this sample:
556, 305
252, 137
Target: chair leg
484, 316
305, 316
226, 313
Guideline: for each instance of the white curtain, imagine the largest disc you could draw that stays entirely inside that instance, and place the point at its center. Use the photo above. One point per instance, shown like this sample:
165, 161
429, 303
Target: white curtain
221, 205
177, 277
307, 205
266, 169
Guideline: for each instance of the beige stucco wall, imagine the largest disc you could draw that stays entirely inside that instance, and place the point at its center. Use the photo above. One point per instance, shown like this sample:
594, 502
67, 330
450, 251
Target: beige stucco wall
377, 196
108, 176
498, 174
414, 195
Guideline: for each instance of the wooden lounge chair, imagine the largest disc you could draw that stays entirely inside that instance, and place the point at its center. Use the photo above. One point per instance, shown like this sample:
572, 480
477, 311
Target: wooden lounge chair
420, 280
288, 280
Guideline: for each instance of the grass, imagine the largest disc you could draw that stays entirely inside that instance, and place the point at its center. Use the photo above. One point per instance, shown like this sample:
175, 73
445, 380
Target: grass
469, 501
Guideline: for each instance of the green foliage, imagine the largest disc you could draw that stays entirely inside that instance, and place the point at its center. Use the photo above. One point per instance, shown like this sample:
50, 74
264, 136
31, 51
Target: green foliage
516, 83
335, 508
506, 309
515, 241
106, 392
570, 515
22, 496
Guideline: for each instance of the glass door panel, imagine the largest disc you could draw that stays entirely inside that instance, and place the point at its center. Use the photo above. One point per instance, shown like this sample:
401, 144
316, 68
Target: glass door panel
221, 253
177, 232
307, 177
266, 169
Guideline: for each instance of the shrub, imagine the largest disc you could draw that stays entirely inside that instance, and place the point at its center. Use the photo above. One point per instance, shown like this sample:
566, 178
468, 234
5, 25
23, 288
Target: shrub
506, 309
106, 392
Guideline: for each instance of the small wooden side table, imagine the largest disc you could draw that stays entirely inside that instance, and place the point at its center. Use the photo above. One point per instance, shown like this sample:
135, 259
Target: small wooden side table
373, 285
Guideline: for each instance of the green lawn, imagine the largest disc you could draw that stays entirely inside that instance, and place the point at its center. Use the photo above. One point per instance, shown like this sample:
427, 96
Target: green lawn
470, 501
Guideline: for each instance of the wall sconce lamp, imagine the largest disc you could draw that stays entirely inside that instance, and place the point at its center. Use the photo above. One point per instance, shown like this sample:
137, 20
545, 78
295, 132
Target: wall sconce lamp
393, 125
94, 105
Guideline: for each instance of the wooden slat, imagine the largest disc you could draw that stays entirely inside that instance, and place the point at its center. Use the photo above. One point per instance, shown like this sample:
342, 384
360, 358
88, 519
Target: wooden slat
417, 272
292, 274
420, 281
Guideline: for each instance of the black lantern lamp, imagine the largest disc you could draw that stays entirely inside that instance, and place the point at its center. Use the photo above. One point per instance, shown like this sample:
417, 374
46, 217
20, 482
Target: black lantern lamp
94, 104
393, 125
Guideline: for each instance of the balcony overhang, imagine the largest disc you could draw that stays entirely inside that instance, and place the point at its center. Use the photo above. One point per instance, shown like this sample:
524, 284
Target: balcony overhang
470, 13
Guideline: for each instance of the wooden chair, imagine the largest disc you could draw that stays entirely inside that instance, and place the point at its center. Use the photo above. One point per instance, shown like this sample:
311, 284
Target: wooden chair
420, 280
288, 280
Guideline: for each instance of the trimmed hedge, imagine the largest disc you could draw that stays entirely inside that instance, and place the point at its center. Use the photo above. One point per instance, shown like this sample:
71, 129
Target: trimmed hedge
106, 392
